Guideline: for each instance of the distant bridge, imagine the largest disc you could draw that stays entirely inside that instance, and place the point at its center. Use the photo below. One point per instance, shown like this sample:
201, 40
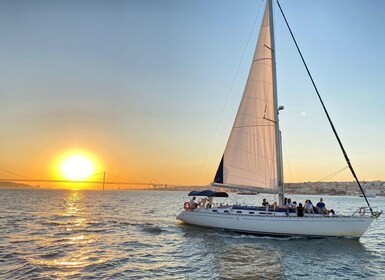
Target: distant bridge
103, 182
152, 186
72, 181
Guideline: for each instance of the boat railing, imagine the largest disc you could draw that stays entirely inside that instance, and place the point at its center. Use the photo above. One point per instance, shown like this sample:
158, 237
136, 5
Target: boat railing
367, 211
187, 206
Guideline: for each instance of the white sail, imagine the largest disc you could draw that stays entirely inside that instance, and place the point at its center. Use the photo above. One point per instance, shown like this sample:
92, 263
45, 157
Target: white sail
250, 157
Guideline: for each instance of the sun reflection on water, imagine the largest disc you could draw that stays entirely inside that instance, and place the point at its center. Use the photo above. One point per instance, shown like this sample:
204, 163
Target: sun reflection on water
72, 231
73, 202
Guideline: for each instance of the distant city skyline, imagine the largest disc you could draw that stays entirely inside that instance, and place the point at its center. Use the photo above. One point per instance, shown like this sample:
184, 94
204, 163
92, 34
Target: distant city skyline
148, 90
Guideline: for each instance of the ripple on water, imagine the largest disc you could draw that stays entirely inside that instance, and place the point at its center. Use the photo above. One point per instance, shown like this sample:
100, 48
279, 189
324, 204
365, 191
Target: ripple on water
151, 228
133, 244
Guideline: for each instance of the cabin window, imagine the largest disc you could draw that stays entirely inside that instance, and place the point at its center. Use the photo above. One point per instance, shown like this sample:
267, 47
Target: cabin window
251, 212
215, 210
239, 212
226, 211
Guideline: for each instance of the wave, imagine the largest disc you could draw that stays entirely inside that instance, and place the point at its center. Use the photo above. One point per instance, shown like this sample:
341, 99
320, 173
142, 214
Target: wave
151, 228
133, 244
22, 241
52, 255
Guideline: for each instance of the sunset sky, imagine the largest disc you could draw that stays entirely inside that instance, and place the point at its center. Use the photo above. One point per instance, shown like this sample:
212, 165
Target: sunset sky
141, 87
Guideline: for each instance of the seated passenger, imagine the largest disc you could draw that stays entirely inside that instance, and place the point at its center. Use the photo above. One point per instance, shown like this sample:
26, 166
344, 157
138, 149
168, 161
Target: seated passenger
321, 207
300, 210
274, 205
309, 206
193, 204
210, 202
289, 204
203, 202
265, 203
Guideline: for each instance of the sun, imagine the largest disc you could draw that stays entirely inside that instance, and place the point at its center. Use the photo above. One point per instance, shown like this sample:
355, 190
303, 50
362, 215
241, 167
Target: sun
76, 167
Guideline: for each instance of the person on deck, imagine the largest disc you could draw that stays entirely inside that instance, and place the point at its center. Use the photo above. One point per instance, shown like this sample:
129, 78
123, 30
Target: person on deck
309, 206
274, 205
203, 203
300, 210
265, 203
193, 204
321, 207
289, 203
210, 203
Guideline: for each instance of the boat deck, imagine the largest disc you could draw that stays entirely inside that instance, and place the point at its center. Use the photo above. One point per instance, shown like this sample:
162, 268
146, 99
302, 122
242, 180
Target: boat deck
254, 210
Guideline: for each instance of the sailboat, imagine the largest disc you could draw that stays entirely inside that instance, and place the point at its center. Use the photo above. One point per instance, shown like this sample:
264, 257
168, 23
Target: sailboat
252, 161
369, 193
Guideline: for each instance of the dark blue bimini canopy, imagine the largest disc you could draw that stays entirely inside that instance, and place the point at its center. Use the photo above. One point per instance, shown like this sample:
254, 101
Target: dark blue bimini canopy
208, 193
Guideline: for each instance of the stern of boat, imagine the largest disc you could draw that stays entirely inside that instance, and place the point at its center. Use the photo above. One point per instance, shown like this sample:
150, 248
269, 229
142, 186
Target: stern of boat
179, 217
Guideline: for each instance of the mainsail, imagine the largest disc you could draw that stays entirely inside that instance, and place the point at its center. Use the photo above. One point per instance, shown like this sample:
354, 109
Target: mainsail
250, 158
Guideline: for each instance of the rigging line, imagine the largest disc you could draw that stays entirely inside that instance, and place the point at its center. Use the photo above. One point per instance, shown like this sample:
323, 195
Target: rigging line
286, 158
9, 172
326, 112
332, 175
229, 92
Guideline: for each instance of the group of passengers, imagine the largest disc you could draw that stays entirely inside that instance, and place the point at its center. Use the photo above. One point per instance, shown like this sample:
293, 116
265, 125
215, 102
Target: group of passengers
308, 207
203, 203
320, 207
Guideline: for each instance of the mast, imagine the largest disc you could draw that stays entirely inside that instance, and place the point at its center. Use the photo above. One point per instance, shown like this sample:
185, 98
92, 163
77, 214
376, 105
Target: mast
276, 111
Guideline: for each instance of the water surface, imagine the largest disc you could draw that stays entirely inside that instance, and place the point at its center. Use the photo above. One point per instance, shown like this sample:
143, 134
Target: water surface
69, 234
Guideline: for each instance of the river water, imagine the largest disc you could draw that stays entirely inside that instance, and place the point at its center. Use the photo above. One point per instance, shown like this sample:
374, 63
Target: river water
77, 234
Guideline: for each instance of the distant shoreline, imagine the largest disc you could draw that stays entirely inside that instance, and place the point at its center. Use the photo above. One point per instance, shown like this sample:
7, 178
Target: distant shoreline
376, 188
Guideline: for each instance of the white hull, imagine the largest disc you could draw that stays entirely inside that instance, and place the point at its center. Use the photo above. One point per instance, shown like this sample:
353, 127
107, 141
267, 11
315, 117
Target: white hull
279, 225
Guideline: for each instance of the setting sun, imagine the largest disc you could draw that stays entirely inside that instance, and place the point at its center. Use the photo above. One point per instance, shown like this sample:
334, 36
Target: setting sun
76, 167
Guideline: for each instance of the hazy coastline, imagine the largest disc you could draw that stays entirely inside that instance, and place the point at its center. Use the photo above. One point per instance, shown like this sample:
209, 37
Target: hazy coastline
376, 188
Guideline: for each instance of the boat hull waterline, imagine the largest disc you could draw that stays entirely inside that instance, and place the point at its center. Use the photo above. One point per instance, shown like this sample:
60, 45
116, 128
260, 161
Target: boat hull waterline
308, 226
